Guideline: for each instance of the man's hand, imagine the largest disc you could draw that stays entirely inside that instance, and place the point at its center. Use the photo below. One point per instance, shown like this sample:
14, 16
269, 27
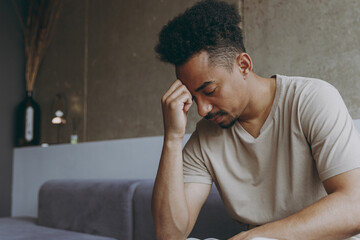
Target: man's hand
176, 103
175, 205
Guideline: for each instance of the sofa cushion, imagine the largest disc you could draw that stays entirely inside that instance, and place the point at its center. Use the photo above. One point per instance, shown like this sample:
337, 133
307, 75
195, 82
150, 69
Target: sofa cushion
213, 221
26, 229
100, 207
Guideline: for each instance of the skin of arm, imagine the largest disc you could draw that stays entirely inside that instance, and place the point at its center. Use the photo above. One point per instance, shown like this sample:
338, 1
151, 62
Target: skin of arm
334, 217
175, 205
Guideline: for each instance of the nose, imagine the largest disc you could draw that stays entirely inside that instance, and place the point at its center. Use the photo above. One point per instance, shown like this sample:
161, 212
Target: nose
203, 107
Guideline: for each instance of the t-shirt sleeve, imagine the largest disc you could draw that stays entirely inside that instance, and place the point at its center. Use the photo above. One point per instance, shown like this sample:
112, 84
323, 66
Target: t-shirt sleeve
194, 166
329, 129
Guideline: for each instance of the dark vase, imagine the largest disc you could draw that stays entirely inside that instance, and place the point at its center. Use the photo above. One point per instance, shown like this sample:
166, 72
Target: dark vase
28, 122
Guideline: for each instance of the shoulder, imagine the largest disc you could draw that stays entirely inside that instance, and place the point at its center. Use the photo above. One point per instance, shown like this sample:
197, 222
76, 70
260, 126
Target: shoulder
316, 94
308, 93
318, 106
304, 85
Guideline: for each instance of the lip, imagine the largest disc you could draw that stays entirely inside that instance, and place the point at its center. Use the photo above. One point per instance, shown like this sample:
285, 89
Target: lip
218, 119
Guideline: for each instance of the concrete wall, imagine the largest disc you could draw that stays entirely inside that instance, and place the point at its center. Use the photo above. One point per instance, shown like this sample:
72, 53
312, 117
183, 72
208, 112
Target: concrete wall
307, 38
102, 59
12, 87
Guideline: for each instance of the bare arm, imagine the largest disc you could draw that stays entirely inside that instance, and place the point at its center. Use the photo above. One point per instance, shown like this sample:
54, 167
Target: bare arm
175, 205
334, 217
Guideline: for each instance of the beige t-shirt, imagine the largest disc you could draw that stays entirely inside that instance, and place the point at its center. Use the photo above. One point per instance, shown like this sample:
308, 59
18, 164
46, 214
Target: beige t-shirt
307, 138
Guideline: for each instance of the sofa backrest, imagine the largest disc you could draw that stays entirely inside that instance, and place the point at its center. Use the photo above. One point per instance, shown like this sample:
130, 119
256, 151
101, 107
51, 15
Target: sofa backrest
121, 209
100, 207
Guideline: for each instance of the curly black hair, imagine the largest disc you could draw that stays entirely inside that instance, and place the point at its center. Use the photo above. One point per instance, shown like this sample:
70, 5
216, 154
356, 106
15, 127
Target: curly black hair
209, 25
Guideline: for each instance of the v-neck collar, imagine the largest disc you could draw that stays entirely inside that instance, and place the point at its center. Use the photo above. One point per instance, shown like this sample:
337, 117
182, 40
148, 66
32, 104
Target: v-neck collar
245, 134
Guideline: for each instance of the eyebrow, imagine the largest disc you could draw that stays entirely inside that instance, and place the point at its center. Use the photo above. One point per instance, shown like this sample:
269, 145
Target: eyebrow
204, 85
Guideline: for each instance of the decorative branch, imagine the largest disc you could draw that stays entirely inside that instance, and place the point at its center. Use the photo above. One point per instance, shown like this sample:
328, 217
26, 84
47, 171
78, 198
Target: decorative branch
39, 29
21, 21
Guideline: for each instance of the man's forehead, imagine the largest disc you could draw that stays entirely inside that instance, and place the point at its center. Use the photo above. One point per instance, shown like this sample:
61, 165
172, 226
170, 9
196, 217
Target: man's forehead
195, 72
196, 84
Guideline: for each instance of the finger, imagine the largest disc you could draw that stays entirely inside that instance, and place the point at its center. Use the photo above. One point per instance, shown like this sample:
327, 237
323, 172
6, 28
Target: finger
188, 104
187, 107
178, 102
176, 84
186, 99
182, 102
173, 88
177, 93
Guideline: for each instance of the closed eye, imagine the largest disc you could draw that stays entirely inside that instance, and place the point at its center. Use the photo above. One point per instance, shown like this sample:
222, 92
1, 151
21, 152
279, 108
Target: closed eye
210, 93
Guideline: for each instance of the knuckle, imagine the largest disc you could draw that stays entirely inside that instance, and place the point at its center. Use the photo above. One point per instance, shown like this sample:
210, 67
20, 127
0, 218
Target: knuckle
183, 88
173, 105
166, 102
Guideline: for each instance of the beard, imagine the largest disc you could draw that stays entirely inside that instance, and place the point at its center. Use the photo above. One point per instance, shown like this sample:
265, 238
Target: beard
224, 125
228, 125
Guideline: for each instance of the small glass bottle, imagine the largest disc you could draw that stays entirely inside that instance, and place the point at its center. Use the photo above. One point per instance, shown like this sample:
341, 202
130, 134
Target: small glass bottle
74, 136
28, 122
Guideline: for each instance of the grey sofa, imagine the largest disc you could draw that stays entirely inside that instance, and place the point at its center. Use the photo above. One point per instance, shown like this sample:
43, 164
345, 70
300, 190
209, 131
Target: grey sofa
104, 210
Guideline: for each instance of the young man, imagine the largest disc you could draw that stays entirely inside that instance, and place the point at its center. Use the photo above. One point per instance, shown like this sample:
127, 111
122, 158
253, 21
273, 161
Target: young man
282, 151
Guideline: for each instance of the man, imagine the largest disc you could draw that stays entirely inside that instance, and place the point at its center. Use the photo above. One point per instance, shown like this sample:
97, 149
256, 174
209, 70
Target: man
282, 151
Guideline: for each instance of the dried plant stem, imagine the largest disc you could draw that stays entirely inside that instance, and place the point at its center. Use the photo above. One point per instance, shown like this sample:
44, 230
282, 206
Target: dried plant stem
42, 16
21, 21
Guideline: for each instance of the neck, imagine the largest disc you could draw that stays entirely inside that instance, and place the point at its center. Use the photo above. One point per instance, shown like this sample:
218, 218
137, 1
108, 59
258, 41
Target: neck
261, 99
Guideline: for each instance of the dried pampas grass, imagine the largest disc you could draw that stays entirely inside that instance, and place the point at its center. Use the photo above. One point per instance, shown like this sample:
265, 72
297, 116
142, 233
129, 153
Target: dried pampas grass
38, 32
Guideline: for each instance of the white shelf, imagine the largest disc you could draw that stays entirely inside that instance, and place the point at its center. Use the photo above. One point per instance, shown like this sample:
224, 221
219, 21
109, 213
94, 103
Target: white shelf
135, 158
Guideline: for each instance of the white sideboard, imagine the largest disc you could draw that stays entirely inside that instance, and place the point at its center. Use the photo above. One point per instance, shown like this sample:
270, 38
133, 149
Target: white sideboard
135, 158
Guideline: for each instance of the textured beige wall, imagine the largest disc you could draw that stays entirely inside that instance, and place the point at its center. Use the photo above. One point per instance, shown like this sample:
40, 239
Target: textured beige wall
102, 59
307, 38
62, 71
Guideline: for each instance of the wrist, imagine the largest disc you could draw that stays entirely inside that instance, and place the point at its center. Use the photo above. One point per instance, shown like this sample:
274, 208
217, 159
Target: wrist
173, 141
173, 138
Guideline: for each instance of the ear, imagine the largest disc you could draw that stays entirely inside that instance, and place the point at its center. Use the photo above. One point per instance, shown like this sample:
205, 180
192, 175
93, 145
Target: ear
244, 63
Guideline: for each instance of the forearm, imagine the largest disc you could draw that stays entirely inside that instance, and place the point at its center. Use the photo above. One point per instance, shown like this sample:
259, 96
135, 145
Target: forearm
169, 203
336, 216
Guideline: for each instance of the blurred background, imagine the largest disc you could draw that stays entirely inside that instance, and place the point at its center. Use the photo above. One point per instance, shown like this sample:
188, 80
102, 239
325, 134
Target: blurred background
102, 64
